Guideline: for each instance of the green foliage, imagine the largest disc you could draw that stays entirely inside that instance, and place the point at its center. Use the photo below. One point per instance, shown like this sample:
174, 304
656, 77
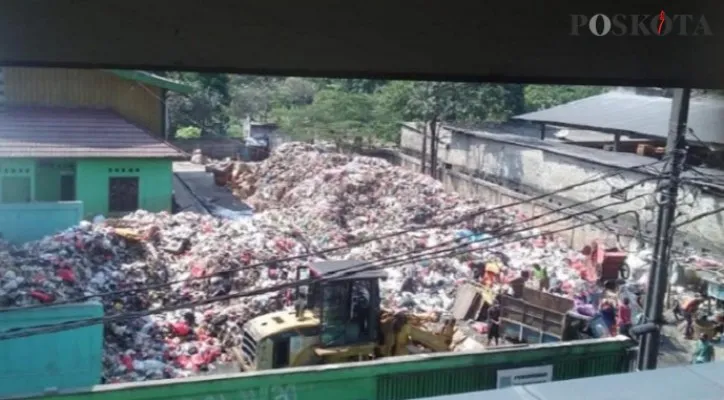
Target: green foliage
333, 114
188, 132
235, 131
204, 107
539, 97
341, 109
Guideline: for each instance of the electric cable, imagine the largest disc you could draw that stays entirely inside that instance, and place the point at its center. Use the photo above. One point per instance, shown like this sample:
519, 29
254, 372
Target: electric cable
699, 216
259, 265
70, 325
421, 257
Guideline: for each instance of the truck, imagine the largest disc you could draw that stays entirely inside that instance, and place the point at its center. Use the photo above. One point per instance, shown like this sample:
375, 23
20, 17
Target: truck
532, 316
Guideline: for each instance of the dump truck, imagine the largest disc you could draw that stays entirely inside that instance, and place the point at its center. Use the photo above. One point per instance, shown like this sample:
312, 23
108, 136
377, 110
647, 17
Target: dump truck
532, 316
338, 319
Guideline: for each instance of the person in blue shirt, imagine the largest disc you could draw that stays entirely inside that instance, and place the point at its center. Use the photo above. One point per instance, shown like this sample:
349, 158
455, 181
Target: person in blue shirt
704, 350
608, 314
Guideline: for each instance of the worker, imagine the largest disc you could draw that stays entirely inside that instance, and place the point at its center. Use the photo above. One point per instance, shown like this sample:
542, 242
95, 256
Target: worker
689, 309
704, 351
640, 299
478, 270
491, 271
608, 314
624, 317
539, 272
494, 323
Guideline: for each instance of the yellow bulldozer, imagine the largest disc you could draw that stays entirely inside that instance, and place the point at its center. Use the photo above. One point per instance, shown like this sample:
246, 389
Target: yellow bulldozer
338, 319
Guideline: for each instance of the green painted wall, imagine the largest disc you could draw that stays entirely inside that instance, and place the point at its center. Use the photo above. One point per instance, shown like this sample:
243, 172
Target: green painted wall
47, 178
25, 222
14, 177
397, 378
155, 183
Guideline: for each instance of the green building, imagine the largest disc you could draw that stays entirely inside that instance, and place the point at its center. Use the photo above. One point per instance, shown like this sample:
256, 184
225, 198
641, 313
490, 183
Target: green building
79, 143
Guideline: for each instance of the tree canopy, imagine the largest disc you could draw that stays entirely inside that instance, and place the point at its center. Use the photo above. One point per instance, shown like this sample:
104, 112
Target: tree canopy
344, 108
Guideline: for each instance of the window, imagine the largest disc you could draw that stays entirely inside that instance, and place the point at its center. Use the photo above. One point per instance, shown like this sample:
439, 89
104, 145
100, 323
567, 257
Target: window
122, 194
363, 328
67, 187
335, 313
280, 352
349, 312
16, 189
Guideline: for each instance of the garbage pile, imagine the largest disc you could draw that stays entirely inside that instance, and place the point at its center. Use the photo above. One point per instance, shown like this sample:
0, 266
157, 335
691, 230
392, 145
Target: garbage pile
95, 259
306, 200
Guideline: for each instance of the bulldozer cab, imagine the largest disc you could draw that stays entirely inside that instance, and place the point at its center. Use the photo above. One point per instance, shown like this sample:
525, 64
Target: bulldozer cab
336, 319
346, 302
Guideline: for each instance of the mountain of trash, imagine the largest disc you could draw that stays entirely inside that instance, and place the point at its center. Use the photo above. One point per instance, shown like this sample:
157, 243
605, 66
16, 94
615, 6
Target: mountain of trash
306, 199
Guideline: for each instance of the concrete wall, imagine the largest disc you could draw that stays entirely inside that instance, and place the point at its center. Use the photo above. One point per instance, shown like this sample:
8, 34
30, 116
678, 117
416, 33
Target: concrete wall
531, 167
20, 223
218, 148
494, 194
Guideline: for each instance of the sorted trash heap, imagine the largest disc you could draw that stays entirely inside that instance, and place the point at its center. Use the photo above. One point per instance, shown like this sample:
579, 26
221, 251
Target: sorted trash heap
306, 200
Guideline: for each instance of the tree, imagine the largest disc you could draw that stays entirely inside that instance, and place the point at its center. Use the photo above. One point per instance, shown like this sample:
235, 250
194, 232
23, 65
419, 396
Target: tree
254, 101
295, 91
188, 132
334, 114
204, 107
368, 86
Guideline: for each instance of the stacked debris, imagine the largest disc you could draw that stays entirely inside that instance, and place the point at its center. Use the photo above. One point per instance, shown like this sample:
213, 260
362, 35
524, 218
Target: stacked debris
307, 200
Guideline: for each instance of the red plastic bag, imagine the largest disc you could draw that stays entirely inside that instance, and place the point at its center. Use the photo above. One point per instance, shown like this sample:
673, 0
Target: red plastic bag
42, 296
180, 329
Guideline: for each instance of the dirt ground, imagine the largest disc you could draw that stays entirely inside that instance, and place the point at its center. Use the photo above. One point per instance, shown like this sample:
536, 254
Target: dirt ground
676, 350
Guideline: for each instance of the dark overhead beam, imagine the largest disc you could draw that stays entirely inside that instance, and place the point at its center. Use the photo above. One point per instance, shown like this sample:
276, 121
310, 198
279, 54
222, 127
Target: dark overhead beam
511, 41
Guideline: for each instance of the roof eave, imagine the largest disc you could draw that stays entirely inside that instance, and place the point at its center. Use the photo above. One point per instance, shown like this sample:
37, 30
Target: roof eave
153, 80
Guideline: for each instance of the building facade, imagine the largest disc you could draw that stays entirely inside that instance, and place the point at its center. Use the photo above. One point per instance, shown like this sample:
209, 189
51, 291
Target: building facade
91, 137
504, 166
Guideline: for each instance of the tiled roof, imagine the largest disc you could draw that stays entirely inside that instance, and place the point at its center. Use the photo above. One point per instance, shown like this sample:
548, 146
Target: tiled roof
637, 114
39, 132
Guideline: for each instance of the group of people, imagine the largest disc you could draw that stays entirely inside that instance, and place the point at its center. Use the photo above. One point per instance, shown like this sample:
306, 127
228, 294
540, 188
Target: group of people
615, 311
617, 316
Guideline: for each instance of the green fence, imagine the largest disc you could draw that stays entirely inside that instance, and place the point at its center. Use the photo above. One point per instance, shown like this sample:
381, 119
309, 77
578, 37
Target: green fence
390, 379
24, 222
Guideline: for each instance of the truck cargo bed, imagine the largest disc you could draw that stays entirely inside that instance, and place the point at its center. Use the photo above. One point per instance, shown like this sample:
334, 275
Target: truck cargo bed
535, 317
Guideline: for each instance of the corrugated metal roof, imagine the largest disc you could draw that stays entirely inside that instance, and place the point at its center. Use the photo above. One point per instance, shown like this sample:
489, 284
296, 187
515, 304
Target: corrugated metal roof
608, 158
154, 80
637, 114
700, 382
43, 132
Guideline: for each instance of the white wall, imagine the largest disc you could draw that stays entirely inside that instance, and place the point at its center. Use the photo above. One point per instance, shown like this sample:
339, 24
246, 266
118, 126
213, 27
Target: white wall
534, 167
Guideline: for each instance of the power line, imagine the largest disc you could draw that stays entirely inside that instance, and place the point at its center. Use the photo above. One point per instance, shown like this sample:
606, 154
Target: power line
698, 217
258, 265
419, 256
291, 285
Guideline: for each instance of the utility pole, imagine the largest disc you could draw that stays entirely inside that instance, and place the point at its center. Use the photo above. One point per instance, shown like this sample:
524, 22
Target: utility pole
433, 147
658, 276
424, 147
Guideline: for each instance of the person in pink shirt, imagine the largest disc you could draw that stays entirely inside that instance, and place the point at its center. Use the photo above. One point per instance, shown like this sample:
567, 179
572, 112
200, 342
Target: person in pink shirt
624, 317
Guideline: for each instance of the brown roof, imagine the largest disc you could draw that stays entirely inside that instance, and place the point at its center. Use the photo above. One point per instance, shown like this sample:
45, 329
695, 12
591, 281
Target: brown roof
39, 132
